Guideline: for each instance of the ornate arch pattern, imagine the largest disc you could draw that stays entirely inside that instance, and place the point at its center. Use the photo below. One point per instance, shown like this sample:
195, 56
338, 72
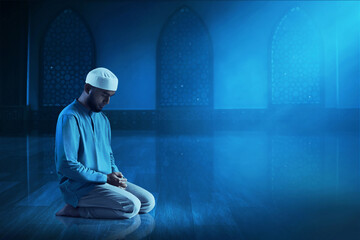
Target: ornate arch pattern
184, 62
67, 56
296, 61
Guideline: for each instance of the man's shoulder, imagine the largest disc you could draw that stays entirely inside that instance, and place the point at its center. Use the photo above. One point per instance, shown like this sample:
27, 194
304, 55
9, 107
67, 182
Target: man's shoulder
69, 110
104, 116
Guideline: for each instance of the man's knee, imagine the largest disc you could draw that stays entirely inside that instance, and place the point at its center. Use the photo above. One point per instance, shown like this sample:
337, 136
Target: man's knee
148, 204
133, 208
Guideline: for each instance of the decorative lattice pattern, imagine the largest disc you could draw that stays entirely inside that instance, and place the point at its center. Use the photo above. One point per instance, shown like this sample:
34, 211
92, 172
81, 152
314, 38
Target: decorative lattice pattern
184, 58
68, 55
295, 61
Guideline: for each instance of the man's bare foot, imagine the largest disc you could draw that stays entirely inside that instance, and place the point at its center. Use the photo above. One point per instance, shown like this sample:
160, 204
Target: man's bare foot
68, 211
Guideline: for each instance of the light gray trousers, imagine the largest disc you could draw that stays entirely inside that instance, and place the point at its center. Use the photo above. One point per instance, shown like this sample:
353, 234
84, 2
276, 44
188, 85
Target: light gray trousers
108, 201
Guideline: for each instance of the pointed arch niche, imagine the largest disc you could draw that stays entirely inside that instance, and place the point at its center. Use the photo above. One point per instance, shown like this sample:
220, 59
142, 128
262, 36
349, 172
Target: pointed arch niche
184, 62
67, 56
296, 61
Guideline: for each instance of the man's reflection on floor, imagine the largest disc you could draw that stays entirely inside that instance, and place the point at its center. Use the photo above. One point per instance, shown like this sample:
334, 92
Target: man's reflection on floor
137, 227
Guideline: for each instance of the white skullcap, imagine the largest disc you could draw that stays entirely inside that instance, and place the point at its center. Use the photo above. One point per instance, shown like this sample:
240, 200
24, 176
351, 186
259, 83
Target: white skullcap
102, 78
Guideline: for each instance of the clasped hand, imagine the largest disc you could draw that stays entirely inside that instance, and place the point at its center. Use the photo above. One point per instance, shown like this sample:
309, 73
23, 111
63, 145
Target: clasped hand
117, 179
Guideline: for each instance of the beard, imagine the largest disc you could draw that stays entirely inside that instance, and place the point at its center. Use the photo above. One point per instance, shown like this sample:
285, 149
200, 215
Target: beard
93, 105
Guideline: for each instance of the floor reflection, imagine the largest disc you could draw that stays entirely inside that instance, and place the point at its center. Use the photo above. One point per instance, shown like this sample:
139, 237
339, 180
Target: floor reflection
137, 227
223, 184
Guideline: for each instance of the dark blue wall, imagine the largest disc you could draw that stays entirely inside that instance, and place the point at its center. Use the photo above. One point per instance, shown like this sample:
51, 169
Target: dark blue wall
126, 35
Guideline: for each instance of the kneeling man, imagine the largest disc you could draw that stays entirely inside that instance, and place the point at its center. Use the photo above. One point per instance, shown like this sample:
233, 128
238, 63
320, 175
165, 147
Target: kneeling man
90, 182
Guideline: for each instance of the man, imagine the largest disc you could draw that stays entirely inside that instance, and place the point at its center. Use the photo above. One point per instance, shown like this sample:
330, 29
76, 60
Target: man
90, 182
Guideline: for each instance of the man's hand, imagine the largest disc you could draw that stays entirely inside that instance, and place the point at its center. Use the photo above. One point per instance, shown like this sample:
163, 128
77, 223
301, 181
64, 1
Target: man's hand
119, 174
113, 179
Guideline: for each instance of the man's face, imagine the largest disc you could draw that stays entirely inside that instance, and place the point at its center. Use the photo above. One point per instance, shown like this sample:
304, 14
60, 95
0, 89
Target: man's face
98, 98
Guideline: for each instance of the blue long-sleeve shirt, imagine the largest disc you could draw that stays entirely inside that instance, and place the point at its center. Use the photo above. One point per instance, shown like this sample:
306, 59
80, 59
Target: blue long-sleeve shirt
83, 153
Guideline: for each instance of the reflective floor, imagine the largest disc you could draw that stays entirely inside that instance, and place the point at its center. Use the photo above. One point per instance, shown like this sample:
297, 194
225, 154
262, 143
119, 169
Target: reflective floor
220, 185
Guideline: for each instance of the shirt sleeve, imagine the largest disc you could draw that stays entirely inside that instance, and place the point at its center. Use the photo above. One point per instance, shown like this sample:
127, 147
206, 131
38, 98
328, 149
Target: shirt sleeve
67, 146
114, 168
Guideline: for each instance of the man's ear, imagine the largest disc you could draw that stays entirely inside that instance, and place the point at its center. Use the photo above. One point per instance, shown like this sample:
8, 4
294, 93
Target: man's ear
87, 88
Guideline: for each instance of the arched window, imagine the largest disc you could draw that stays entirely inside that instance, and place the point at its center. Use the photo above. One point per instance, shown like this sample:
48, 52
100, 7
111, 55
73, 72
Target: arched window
296, 61
184, 62
67, 56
